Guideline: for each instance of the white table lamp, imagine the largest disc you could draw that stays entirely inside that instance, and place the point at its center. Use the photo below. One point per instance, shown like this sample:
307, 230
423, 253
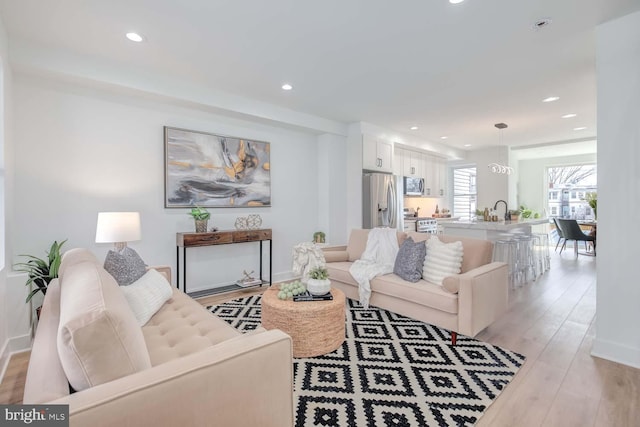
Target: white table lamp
118, 228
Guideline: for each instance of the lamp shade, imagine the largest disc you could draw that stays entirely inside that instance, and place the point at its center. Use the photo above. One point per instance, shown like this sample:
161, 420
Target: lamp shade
118, 227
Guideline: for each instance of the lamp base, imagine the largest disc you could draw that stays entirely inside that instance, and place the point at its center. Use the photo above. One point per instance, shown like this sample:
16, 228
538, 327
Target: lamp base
119, 246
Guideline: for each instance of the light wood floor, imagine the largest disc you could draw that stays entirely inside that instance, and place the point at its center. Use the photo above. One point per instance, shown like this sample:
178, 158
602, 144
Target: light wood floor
551, 321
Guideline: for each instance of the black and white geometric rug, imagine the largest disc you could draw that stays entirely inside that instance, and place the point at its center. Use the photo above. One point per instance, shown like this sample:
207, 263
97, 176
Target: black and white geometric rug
391, 371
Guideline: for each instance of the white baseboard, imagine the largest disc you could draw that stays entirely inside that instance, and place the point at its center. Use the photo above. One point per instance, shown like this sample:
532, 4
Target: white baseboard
4, 359
12, 346
615, 352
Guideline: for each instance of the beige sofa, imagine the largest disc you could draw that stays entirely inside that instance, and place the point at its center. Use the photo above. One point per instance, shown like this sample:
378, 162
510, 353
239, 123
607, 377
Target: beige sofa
185, 367
466, 303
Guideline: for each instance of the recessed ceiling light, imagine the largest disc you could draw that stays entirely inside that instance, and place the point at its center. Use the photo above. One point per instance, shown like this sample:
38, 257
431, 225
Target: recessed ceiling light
580, 128
541, 23
444, 137
551, 99
287, 86
135, 37
568, 116
455, 1
414, 128
467, 145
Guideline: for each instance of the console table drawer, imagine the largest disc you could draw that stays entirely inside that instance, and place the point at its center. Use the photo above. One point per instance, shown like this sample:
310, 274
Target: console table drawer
203, 239
251, 235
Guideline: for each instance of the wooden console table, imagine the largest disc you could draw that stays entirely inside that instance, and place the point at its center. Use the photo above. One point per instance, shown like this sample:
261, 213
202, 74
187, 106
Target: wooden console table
224, 237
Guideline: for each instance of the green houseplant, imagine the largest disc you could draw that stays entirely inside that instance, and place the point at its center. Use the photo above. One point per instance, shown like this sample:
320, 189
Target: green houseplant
515, 215
318, 283
318, 237
591, 198
201, 217
41, 271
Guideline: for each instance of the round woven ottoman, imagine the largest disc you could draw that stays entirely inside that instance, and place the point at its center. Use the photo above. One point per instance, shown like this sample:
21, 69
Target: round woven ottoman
316, 327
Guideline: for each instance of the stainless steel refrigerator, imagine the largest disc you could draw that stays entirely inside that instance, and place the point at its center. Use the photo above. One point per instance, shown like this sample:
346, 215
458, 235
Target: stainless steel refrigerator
382, 201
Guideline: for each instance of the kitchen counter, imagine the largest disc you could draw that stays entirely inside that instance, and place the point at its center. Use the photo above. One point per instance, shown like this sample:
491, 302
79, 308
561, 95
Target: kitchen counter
486, 230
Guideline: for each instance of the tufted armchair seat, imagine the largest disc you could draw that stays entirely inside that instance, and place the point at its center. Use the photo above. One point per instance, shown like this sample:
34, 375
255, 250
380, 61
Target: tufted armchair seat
184, 367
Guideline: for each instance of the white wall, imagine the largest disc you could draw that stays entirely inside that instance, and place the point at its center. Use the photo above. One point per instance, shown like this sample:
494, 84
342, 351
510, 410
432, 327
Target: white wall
491, 186
532, 178
618, 294
332, 191
80, 151
4, 332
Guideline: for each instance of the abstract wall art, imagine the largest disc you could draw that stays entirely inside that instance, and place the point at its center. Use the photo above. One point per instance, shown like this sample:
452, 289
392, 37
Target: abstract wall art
210, 170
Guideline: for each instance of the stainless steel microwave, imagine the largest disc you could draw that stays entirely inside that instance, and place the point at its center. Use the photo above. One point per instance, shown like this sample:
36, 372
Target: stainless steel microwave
413, 186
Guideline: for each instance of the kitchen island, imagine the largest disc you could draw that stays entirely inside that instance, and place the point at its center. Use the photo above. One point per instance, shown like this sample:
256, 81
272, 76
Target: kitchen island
486, 230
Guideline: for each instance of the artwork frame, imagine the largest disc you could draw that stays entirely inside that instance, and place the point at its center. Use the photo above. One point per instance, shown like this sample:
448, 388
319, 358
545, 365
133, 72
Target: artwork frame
215, 171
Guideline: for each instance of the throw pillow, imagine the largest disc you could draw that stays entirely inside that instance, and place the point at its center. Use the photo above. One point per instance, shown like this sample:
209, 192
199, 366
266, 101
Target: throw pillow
410, 260
99, 339
442, 260
147, 295
125, 266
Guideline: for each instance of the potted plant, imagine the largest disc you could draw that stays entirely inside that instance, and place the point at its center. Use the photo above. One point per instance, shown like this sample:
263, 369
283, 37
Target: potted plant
201, 217
318, 237
41, 271
318, 283
592, 199
515, 215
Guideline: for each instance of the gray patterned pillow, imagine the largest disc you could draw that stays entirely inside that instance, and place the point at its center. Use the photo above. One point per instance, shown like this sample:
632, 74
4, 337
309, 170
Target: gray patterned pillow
126, 266
410, 260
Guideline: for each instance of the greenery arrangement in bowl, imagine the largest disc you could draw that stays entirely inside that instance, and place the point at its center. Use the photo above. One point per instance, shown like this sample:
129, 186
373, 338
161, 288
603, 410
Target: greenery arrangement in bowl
318, 283
319, 273
41, 271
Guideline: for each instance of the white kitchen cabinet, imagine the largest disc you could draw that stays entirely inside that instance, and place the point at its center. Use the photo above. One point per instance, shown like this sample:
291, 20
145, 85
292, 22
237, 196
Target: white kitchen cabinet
377, 154
413, 164
430, 176
433, 169
398, 161
442, 178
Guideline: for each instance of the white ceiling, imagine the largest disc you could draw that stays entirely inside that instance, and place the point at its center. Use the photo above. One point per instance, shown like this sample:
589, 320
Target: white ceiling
452, 70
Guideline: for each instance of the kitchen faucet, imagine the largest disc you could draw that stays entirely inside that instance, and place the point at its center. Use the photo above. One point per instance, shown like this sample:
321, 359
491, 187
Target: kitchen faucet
506, 209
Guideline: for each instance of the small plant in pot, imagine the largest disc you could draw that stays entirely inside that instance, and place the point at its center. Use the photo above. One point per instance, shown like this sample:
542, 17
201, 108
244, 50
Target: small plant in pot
201, 217
41, 271
318, 283
515, 215
318, 237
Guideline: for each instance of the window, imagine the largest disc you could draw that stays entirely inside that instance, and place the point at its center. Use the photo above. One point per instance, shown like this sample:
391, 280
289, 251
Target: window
464, 192
569, 189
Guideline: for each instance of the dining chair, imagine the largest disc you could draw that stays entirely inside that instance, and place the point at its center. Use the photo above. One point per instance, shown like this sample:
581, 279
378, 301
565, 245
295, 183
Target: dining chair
561, 238
572, 231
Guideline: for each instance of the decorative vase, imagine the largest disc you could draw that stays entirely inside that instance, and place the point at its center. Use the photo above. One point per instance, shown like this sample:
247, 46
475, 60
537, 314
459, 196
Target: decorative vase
241, 223
201, 225
318, 286
515, 218
254, 221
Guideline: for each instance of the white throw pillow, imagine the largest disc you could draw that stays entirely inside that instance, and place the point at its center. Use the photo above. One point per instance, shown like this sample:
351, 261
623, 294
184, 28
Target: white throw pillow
147, 295
442, 260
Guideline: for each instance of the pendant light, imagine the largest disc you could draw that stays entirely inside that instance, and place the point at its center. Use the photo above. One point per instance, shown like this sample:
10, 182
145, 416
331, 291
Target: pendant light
499, 167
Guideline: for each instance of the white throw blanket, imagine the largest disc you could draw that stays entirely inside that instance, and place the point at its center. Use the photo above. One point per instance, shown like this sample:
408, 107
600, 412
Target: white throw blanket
378, 258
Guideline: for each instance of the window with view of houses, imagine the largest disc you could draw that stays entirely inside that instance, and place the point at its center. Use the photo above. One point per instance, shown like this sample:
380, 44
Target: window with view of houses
570, 188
